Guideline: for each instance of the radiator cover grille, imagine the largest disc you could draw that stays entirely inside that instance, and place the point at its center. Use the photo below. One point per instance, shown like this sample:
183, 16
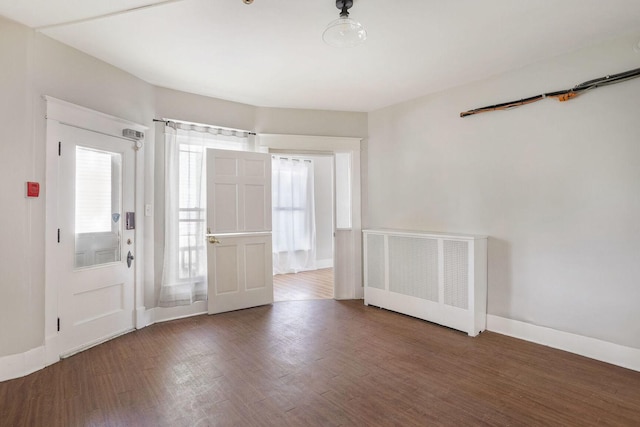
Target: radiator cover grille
456, 273
375, 264
413, 267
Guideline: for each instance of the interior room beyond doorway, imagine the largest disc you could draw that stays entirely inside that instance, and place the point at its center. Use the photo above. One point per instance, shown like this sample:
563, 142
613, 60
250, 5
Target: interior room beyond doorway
315, 284
303, 230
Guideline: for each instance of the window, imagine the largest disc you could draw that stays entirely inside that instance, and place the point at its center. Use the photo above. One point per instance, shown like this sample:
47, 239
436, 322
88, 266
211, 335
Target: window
98, 189
94, 199
184, 278
191, 212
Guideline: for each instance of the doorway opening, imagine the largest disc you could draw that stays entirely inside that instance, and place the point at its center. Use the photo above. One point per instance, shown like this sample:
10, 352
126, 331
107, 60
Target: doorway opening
303, 226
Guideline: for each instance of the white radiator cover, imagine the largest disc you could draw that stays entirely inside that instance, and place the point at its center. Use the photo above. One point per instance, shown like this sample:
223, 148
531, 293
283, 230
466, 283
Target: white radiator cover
437, 277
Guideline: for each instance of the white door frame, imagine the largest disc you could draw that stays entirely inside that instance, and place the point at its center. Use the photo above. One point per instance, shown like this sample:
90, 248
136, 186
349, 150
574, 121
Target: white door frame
84, 118
348, 273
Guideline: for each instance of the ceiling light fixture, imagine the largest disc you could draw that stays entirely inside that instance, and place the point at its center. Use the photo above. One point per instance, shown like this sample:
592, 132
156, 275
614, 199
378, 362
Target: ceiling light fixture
344, 31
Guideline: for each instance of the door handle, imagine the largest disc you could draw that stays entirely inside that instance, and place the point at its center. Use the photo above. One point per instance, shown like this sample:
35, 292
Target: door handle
129, 259
211, 238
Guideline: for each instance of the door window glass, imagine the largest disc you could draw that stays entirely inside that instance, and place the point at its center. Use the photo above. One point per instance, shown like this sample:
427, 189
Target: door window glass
98, 213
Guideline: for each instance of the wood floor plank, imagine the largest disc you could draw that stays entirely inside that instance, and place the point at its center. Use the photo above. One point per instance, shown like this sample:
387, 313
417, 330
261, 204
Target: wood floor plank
306, 285
320, 362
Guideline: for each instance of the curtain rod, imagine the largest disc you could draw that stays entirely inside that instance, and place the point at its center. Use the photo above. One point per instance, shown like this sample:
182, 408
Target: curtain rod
292, 159
168, 122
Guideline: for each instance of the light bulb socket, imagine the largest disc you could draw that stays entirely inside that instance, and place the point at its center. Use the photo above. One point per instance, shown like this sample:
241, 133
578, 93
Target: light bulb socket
344, 4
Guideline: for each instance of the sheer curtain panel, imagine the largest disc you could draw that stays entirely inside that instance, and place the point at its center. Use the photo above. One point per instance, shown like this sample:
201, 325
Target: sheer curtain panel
294, 227
184, 273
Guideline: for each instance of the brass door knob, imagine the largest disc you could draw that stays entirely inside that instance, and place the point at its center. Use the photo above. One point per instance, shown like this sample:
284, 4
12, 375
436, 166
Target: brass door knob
210, 237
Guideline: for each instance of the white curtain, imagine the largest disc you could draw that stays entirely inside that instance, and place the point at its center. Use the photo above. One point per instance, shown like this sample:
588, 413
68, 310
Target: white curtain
294, 229
184, 274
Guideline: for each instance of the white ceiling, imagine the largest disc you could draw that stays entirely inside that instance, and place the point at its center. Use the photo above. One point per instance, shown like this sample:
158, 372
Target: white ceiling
270, 53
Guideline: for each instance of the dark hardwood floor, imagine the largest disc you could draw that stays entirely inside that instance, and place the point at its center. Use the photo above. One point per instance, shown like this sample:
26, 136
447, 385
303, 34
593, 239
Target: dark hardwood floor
320, 362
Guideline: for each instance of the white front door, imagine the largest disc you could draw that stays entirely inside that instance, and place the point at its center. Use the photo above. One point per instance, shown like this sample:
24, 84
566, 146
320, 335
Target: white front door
239, 256
93, 260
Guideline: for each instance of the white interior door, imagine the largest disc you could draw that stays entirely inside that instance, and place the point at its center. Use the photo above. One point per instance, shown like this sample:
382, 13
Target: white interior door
93, 260
239, 264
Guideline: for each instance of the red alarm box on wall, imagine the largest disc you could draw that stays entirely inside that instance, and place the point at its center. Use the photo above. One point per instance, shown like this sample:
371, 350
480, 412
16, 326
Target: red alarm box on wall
33, 189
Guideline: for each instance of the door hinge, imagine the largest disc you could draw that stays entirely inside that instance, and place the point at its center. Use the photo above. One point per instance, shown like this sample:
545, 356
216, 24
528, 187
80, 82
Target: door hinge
58, 324
58, 235
59, 148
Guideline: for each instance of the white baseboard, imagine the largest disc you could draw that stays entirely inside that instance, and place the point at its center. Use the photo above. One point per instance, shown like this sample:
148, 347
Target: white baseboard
165, 314
324, 263
627, 357
51, 350
79, 349
144, 317
19, 365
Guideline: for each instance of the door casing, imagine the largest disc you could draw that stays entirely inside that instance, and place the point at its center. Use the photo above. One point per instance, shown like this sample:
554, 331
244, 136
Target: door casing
348, 242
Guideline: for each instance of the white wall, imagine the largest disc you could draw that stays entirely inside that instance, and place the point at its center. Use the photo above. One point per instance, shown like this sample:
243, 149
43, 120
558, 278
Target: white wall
173, 104
22, 272
310, 122
556, 186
